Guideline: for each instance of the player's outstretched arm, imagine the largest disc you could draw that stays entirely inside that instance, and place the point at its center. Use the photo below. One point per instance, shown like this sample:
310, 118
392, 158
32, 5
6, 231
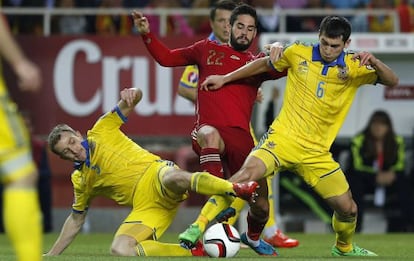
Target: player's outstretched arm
70, 229
215, 82
160, 52
129, 99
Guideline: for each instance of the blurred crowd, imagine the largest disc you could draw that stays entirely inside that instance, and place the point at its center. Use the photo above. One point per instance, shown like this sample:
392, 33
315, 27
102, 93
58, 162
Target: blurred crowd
190, 25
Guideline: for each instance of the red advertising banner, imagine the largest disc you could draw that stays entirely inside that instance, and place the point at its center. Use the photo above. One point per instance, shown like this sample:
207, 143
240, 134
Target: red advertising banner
404, 92
82, 78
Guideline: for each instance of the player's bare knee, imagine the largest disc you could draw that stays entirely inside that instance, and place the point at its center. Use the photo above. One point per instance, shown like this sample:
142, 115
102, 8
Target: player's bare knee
123, 246
177, 180
347, 209
208, 136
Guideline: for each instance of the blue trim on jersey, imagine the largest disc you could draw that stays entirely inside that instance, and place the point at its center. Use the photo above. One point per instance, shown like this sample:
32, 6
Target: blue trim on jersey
182, 84
80, 211
78, 165
316, 56
212, 37
118, 111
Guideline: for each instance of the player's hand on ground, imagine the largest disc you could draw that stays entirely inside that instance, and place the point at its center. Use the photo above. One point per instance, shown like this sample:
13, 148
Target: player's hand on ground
212, 82
140, 22
365, 58
275, 51
29, 77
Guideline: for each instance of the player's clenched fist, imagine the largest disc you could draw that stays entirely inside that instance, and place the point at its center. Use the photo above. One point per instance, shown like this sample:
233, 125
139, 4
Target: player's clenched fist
140, 22
275, 51
131, 96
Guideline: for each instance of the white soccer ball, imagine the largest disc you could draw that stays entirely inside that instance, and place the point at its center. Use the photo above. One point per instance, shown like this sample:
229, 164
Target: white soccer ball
221, 240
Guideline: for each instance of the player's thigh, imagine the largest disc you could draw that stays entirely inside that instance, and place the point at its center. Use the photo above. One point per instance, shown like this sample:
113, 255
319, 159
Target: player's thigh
154, 205
238, 145
324, 175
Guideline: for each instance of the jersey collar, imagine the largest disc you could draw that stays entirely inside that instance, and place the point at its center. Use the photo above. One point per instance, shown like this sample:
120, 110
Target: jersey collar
212, 37
78, 165
316, 56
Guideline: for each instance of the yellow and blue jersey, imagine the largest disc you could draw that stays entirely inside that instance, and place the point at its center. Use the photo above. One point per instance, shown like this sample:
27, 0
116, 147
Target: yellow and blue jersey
189, 78
114, 166
318, 95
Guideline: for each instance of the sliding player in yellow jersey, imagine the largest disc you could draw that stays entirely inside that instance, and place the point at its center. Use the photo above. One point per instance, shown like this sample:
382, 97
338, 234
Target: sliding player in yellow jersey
109, 164
321, 84
18, 173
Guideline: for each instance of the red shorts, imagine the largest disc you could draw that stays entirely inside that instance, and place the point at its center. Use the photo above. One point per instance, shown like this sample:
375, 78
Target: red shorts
238, 144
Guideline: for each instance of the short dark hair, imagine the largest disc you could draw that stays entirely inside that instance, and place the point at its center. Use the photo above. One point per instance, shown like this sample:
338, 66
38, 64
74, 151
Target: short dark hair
55, 135
243, 9
335, 26
228, 5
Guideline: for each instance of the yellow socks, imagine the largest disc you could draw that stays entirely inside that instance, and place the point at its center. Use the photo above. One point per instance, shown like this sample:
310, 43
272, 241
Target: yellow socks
156, 248
22, 221
211, 209
344, 230
238, 204
271, 222
207, 184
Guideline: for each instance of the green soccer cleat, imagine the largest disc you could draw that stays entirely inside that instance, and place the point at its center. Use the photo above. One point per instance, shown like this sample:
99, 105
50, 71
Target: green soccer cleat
190, 236
356, 251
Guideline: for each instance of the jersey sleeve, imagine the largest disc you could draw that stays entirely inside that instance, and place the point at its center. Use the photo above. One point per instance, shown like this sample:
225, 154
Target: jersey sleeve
189, 78
271, 74
170, 57
80, 196
109, 121
282, 64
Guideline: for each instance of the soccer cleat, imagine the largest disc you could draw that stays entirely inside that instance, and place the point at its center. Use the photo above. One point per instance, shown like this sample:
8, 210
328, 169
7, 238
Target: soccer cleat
190, 236
198, 249
225, 215
281, 240
246, 191
263, 249
356, 251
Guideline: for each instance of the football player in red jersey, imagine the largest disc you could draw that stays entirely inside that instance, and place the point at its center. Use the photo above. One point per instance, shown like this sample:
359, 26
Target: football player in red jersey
222, 117
220, 15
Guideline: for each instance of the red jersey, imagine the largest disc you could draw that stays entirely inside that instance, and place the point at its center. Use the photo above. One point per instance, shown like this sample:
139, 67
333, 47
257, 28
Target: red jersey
229, 106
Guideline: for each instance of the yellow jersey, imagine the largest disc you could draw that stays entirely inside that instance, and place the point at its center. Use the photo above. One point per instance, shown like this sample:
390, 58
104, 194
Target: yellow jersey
114, 165
189, 78
318, 95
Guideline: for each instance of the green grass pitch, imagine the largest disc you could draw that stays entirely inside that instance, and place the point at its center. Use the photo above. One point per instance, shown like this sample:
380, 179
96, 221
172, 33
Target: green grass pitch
88, 247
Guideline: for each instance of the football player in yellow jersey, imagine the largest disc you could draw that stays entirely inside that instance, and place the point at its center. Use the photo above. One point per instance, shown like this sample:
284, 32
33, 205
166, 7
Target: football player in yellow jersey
321, 84
18, 173
109, 164
187, 88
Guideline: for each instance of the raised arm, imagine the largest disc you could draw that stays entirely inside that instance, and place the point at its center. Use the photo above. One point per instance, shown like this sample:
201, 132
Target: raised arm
70, 229
385, 74
129, 99
160, 52
258, 66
